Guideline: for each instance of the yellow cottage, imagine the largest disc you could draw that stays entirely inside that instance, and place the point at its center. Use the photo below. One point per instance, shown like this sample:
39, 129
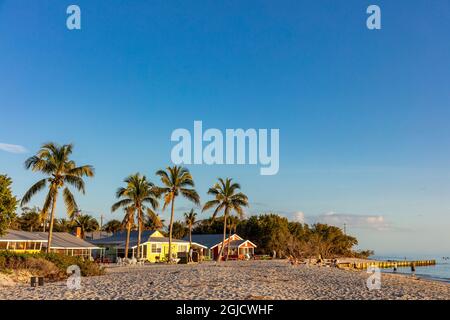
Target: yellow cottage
154, 246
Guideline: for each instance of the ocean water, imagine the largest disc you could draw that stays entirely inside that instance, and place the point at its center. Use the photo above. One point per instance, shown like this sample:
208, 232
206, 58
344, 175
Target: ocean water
440, 271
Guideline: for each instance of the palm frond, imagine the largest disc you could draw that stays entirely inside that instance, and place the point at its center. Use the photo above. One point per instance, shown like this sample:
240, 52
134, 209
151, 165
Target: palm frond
38, 186
81, 171
75, 181
69, 201
208, 205
191, 195
121, 203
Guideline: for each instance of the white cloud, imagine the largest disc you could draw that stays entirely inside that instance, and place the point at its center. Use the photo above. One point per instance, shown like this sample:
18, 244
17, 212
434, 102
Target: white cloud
352, 221
376, 222
12, 148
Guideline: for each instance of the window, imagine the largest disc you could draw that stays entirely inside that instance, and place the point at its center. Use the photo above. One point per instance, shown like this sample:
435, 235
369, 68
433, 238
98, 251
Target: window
3, 245
21, 245
156, 248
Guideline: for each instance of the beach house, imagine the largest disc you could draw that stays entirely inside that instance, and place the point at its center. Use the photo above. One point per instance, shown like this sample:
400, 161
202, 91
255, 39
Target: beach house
209, 245
34, 242
154, 246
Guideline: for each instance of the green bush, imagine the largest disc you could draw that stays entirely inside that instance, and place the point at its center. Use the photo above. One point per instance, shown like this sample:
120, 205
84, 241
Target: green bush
52, 266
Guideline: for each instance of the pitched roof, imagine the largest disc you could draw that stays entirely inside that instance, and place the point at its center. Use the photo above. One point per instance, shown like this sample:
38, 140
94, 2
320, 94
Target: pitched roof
18, 235
212, 240
208, 240
238, 243
66, 240
60, 239
119, 239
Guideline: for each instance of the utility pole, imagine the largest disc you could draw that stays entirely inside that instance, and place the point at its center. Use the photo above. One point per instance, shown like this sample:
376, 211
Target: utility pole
345, 231
101, 222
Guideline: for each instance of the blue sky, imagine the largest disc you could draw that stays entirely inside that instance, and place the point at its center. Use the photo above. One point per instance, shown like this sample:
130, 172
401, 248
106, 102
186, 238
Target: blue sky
363, 115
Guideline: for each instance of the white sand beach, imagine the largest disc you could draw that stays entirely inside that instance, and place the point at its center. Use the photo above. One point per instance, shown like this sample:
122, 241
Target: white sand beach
233, 280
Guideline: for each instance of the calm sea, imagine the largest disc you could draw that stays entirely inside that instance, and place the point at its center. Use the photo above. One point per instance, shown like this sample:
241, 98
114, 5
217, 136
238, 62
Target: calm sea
441, 271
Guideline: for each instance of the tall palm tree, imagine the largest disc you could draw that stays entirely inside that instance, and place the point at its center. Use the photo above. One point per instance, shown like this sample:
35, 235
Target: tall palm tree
176, 180
128, 223
232, 222
227, 199
53, 160
153, 221
137, 194
86, 223
190, 219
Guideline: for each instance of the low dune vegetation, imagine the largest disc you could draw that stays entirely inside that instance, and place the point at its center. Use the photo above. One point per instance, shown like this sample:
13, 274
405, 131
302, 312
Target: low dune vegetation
53, 267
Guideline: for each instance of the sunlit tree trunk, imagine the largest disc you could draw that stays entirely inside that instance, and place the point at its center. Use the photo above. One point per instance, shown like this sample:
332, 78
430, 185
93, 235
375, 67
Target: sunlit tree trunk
52, 217
139, 231
228, 244
127, 242
171, 227
219, 257
190, 241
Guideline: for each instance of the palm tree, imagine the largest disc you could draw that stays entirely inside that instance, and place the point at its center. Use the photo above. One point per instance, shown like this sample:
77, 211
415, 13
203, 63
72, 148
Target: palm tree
137, 194
226, 199
30, 219
176, 181
63, 225
128, 223
53, 161
112, 226
153, 221
232, 225
190, 219
86, 223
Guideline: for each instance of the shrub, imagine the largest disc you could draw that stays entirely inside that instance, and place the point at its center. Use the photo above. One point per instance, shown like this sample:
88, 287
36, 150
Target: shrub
51, 266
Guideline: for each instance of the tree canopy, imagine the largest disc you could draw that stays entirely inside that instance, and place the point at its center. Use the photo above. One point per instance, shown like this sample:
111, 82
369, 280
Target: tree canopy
8, 204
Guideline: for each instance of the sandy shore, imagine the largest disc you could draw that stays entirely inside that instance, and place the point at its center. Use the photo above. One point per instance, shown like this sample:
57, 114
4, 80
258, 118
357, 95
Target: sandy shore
233, 280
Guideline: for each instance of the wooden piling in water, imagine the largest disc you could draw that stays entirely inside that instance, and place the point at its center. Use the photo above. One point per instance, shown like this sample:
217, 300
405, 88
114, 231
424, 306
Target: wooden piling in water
387, 264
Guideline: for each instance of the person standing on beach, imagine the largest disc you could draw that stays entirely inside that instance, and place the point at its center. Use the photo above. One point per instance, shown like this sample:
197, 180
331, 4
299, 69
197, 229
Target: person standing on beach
413, 269
395, 267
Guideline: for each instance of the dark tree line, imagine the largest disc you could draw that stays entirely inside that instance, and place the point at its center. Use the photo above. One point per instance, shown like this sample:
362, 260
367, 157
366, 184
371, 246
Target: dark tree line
271, 232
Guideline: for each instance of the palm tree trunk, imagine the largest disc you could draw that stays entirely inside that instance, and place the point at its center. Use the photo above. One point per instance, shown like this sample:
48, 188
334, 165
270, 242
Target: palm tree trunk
171, 227
190, 241
219, 257
139, 231
228, 244
52, 217
127, 241
190, 235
